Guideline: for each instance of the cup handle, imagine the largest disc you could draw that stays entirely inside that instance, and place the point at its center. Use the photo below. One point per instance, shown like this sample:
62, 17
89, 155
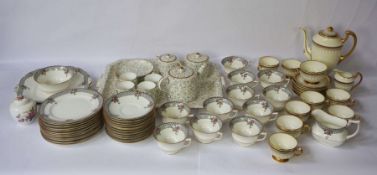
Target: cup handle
219, 136
357, 122
262, 136
274, 116
351, 102
159, 83
306, 129
223, 83
298, 151
358, 74
187, 142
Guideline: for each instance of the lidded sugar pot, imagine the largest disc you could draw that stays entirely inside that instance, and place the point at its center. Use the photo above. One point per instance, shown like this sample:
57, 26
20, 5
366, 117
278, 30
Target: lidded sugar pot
327, 46
180, 84
23, 110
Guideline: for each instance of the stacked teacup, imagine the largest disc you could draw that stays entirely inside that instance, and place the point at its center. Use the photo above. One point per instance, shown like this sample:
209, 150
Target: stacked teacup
312, 77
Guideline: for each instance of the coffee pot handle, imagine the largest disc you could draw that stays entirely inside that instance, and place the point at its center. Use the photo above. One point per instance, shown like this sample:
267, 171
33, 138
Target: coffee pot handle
353, 35
358, 74
357, 122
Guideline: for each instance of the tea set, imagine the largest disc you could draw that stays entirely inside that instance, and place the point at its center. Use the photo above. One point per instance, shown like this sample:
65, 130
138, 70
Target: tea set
190, 97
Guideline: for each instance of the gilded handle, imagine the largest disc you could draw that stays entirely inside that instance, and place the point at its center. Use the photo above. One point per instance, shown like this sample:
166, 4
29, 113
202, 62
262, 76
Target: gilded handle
353, 35
358, 74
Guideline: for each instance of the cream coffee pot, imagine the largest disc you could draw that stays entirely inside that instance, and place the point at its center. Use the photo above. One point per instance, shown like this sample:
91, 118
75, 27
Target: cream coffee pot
327, 46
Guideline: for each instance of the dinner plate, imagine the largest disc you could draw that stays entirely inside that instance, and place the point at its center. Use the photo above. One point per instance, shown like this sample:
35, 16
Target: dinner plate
71, 106
29, 88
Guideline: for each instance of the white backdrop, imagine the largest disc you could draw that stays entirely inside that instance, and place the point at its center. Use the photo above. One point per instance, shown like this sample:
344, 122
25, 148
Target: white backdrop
93, 33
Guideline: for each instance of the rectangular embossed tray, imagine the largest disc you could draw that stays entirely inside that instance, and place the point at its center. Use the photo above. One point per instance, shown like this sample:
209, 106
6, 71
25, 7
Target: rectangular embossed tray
212, 86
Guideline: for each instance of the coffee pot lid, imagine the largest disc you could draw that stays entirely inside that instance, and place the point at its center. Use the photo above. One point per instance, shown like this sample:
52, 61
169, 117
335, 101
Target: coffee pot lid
328, 38
181, 72
197, 57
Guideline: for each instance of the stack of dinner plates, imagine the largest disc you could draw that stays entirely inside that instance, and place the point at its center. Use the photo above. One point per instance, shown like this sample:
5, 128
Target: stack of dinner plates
129, 116
71, 116
299, 85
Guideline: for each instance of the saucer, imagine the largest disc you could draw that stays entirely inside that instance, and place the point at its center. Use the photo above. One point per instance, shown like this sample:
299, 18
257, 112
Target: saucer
29, 88
320, 85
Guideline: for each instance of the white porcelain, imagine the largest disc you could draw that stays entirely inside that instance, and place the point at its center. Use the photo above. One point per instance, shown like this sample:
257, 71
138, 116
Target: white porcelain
23, 110
241, 76
260, 109
331, 130
277, 95
298, 108
221, 107
171, 137
125, 85
154, 77
71, 105
313, 71
327, 46
239, 94
247, 130
174, 111
199, 63
232, 63
54, 79
268, 62
322, 84
181, 84
346, 80
165, 62
291, 125
148, 87
140, 67
291, 67
270, 77
315, 99
206, 128
30, 89
130, 105
284, 147
339, 96
341, 111
128, 76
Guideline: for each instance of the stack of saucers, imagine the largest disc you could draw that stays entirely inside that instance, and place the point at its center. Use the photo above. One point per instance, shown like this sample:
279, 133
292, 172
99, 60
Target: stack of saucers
129, 116
71, 116
299, 85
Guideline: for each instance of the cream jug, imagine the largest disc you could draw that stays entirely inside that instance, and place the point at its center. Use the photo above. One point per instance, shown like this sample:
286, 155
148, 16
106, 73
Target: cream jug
327, 46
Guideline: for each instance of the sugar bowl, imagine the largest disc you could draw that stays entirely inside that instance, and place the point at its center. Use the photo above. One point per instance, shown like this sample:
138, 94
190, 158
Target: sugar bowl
199, 63
165, 62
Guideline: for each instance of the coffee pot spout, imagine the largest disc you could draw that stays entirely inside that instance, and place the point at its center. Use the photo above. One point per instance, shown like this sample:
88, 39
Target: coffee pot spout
307, 50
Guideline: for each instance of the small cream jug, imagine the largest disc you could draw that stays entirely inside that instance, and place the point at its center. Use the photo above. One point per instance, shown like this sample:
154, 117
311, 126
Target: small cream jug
346, 80
327, 46
331, 130
180, 84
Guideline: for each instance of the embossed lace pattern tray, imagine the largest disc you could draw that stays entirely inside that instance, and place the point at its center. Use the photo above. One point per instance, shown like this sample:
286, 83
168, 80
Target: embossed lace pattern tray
209, 87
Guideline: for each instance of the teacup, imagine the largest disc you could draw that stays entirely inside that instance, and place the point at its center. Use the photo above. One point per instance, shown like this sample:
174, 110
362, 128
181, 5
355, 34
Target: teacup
198, 62
342, 111
148, 87
277, 95
128, 76
125, 85
284, 147
54, 78
271, 77
339, 96
172, 137
206, 127
247, 130
174, 111
291, 125
260, 109
315, 99
298, 108
313, 71
232, 63
221, 107
268, 62
241, 76
154, 77
165, 62
291, 67
239, 94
